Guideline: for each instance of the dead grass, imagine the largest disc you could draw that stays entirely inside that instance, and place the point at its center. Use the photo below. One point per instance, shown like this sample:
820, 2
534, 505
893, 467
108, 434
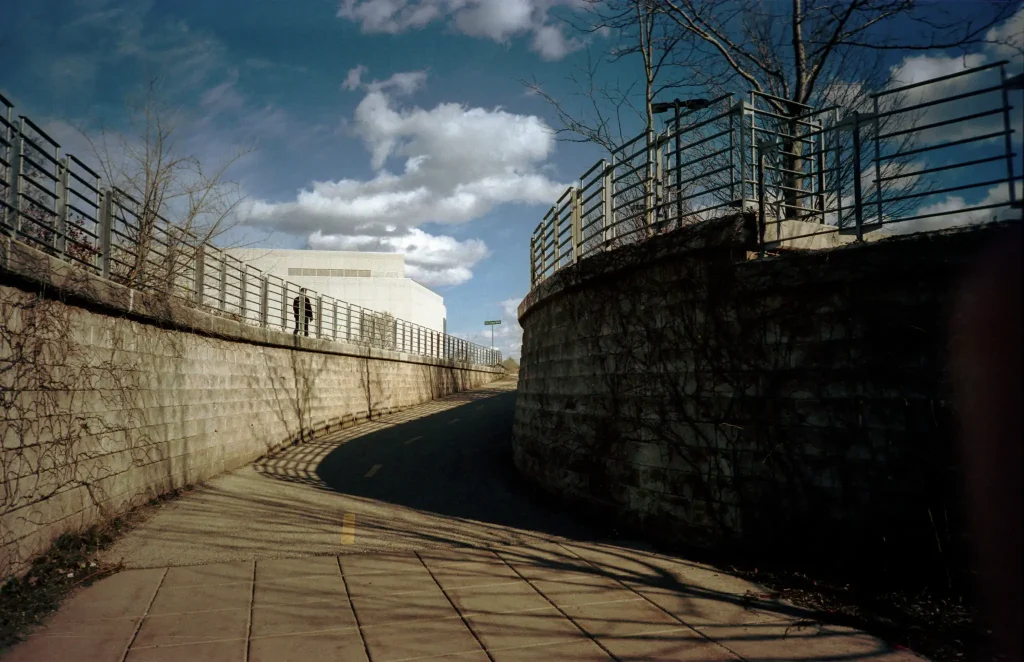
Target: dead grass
69, 563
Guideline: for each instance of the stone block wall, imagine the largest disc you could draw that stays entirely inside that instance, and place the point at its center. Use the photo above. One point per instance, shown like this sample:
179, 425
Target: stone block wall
107, 403
798, 404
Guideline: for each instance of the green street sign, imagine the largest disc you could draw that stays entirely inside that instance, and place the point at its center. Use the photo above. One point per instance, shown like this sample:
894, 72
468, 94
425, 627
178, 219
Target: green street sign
492, 322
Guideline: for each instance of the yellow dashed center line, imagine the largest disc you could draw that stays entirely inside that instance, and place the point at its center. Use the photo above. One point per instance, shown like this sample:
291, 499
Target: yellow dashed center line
413, 439
454, 420
374, 469
348, 529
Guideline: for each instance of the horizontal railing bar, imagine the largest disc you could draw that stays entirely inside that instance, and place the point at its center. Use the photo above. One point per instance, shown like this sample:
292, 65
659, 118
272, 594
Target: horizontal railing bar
947, 212
809, 138
691, 162
628, 143
43, 207
936, 102
592, 169
935, 125
672, 152
41, 168
784, 118
35, 127
952, 166
952, 143
87, 215
74, 175
699, 125
585, 199
948, 189
775, 98
965, 72
79, 162
704, 192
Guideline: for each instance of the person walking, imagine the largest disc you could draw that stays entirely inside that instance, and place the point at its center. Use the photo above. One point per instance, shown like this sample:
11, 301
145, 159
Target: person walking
302, 302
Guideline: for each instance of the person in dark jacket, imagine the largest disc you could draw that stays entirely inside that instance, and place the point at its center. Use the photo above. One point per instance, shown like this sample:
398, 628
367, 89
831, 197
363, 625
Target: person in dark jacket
299, 302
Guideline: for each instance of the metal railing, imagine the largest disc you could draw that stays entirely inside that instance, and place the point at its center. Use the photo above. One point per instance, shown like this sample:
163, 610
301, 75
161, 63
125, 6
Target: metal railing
59, 205
895, 160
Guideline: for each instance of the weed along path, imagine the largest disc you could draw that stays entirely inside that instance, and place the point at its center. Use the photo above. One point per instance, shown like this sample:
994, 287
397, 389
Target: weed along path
410, 538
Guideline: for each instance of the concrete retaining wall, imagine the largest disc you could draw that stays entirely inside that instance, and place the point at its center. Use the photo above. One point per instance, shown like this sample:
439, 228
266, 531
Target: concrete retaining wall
795, 405
111, 397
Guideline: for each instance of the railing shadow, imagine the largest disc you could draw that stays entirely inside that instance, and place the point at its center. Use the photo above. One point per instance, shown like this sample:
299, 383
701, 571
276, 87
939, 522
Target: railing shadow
446, 481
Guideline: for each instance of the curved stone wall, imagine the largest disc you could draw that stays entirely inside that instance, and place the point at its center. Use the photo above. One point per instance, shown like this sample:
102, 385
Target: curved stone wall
796, 402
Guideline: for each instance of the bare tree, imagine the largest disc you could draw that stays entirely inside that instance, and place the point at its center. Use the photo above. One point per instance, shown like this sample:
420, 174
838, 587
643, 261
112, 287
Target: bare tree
795, 55
614, 110
166, 202
806, 54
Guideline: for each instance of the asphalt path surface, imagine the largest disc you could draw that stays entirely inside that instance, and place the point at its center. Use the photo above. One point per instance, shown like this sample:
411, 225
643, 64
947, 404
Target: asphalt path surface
436, 475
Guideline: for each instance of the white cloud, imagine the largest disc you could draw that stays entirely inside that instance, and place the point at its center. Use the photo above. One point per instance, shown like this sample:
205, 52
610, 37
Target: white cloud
224, 97
457, 164
1006, 41
354, 78
447, 164
497, 20
508, 336
429, 259
957, 211
551, 43
403, 82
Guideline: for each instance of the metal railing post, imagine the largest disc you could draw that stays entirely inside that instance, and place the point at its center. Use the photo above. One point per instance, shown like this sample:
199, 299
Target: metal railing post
223, 287
753, 131
576, 219
533, 261
243, 290
334, 320
837, 159
740, 111
557, 231
60, 239
878, 163
264, 300
284, 306
200, 274
762, 220
649, 184
543, 249
105, 230
857, 207
821, 170
1007, 136
659, 184
732, 159
14, 186
348, 322
319, 315
607, 201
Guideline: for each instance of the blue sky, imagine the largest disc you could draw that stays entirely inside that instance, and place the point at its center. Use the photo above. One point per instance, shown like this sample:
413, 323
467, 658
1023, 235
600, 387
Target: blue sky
374, 130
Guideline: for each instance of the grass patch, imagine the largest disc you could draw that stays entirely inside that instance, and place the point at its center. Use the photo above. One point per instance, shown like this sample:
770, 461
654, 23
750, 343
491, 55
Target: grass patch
68, 564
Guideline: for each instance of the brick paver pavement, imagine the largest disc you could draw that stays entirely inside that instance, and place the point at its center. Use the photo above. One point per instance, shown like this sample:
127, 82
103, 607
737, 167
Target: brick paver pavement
408, 538
576, 602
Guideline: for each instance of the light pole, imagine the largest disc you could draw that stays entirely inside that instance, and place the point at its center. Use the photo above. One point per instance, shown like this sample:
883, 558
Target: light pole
492, 324
676, 104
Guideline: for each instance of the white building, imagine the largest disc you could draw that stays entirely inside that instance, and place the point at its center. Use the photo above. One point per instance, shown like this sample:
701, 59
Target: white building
372, 280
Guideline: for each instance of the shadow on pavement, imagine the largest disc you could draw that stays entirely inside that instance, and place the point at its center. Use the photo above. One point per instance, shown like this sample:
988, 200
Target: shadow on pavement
436, 482
456, 463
